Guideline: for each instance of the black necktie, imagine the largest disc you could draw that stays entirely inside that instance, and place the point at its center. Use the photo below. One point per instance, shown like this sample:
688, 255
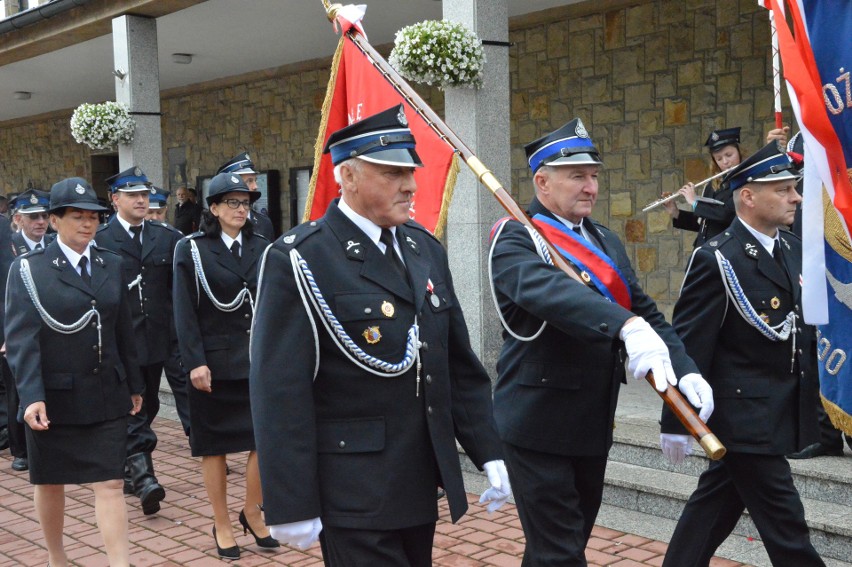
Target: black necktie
779, 258
235, 250
38, 246
578, 230
387, 239
137, 236
84, 272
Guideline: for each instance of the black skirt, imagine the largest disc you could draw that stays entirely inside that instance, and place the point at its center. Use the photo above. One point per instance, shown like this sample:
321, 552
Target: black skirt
220, 421
77, 454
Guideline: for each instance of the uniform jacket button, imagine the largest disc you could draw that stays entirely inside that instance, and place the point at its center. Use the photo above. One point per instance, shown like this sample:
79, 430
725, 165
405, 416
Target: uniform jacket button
424, 346
95, 371
544, 380
248, 331
246, 316
94, 347
603, 327
342, 444
429, 410
94, 302
739, 391
428, 378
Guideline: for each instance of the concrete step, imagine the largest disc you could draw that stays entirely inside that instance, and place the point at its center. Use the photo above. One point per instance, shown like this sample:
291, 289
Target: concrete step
640, 480
637, 441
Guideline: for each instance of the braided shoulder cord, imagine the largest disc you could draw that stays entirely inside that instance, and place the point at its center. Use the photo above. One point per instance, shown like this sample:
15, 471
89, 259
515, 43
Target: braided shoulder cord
545, 255
305, 279
201, 278
75, 327
780, 332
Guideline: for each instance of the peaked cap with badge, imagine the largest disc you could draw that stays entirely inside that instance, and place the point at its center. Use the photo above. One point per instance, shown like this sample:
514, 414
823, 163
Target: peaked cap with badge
718, 139
74, 192
224, 183
132, 180
31, 201
240, 164
767, 165
381, 138
568, 145
159, 198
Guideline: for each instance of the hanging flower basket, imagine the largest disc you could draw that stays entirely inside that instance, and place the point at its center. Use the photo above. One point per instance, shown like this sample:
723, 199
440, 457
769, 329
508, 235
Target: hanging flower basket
102, 125
439, 52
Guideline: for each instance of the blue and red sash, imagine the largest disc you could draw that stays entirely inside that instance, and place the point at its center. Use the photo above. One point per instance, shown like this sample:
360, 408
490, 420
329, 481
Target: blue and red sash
595, 267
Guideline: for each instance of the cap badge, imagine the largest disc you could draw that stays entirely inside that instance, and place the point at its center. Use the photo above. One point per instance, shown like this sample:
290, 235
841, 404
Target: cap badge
387, 309
714, 136
234, 179
580, 130
248, 158
80, 189
153, 191
33, 199
137, 172
403, 121
372, 335
289, 239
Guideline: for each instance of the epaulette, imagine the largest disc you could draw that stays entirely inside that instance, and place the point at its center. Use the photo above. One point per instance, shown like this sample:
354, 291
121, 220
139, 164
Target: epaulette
32, 252
103, 226
260, 236
298, 234
161, 224
718, 240
787, 233
416, 225
103, 250
195, 234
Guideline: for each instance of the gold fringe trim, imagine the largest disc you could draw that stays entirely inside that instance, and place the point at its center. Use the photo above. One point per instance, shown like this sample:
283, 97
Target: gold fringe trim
835, 233
320, 143
839, 418
449, 187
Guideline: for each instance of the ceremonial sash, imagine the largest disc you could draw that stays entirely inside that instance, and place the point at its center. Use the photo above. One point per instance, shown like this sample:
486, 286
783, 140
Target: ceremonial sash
595, 267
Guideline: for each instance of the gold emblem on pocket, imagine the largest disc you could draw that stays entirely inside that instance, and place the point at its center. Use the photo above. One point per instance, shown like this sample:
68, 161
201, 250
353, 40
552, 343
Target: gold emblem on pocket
775, 303
764, 317
387, 309
372, 334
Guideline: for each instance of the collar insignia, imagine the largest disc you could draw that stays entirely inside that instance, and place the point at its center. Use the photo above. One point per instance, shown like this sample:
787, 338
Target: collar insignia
352, 243
751, 249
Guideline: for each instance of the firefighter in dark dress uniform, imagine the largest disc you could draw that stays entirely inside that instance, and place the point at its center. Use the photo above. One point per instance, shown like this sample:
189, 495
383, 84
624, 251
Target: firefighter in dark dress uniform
562, 361
147, 252
362, 374
739, 315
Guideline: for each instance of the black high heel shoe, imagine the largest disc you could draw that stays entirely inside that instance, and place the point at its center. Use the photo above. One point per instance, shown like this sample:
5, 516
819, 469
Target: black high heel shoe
268, 541
232, 552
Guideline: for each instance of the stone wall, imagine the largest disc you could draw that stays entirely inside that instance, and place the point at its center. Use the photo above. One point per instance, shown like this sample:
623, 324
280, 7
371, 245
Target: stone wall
649, 80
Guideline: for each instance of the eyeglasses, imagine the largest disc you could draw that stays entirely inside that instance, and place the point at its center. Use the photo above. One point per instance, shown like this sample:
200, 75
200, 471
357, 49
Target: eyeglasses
38, 216
237, 203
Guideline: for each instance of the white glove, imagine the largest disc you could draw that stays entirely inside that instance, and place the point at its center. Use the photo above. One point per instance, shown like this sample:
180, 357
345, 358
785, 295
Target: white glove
699, 393
647, 351
675, 447
300, 535
500, 489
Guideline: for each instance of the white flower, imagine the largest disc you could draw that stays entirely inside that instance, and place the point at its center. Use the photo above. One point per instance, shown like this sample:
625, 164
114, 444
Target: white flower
102, 125
441, 52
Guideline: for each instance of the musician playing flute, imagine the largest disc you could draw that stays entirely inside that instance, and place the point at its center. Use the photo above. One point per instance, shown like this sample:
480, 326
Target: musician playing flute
562, 362
706, 217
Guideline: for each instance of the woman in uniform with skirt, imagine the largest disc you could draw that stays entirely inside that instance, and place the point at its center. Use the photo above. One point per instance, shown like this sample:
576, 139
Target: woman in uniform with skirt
215, 280
69, 339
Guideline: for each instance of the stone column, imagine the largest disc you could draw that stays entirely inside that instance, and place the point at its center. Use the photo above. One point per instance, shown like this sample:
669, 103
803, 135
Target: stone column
134, 41
481, 119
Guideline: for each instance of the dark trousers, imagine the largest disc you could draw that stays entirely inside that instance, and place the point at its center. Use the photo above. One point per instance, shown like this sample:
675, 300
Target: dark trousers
829, 436
140, 437
763, 485
558, 499
178, 380
17, 436
407, 547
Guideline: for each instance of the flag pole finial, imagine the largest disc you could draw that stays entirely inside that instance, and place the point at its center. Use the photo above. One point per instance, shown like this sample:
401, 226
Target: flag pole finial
331, 10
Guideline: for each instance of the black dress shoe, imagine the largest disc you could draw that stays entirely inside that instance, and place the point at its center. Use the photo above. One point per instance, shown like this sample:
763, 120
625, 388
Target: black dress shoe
20, 464
232, 552
817, 450
268, 542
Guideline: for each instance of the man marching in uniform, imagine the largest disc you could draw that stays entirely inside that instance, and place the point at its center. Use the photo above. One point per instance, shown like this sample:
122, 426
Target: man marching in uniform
739, 316
563, 358
147, 252
31, 217
362, 374
243, 166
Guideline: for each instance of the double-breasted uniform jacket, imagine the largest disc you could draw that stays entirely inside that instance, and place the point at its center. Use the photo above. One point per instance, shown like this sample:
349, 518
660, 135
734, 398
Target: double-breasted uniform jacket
207, 335
20, 246
708, 219
335, 441
762, 390
557, 394
262, 225
63, 370
150, 297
